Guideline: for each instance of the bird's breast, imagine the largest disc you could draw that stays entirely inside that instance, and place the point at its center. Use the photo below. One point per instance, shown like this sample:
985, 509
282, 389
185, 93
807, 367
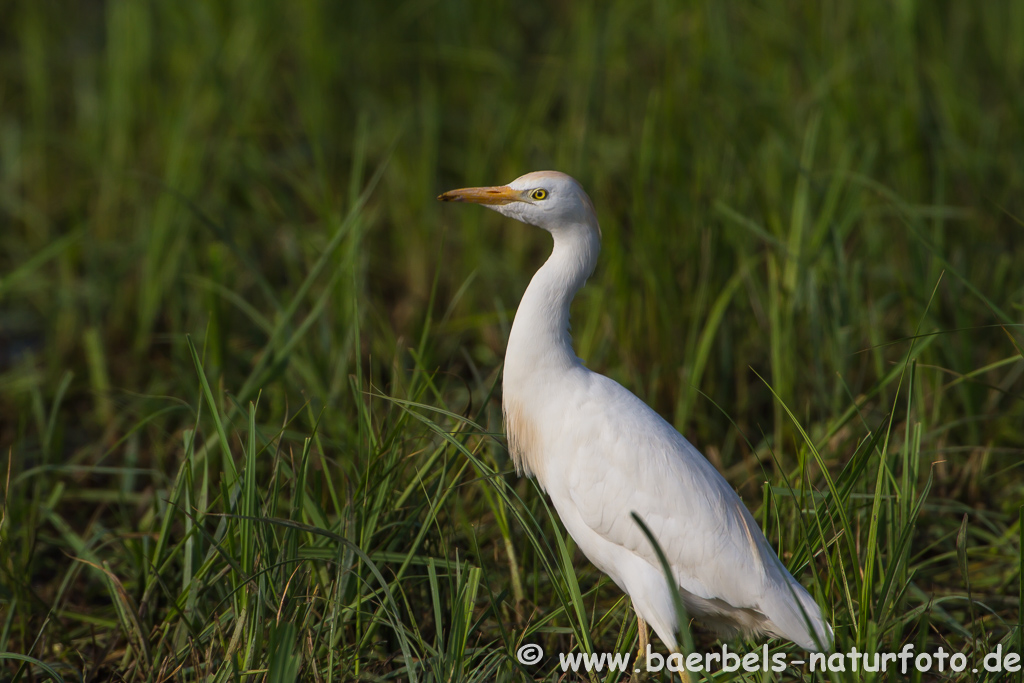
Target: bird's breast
521, 430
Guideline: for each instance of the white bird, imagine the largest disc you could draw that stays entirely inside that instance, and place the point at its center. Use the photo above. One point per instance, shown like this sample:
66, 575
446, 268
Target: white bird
601, 453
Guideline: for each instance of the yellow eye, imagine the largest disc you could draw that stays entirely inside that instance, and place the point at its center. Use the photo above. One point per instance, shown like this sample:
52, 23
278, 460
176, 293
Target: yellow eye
539, 194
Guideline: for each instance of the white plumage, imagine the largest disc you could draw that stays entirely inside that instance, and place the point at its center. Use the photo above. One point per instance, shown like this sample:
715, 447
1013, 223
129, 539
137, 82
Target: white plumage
601, 453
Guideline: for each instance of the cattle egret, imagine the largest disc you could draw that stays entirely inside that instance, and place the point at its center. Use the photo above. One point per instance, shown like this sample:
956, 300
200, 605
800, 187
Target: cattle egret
601, 453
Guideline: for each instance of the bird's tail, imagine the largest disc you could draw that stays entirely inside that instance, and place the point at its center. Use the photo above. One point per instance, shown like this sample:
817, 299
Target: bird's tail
796, 616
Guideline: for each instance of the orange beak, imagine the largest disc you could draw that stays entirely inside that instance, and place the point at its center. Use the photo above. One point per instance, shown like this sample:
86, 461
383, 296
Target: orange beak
494, 196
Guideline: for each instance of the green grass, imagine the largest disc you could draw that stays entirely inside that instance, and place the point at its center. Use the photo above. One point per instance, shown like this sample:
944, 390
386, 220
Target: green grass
250, 369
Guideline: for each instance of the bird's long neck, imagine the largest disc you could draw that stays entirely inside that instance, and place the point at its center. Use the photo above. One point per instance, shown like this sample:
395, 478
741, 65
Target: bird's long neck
539, 341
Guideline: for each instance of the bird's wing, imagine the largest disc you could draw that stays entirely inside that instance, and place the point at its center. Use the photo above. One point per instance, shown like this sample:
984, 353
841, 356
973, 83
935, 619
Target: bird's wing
632, 460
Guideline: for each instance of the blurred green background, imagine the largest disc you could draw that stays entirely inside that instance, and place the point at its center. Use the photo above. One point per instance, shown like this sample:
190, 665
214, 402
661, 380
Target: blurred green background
811, 216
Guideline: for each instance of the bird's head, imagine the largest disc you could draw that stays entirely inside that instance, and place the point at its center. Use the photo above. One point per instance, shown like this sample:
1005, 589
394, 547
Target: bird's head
547, 199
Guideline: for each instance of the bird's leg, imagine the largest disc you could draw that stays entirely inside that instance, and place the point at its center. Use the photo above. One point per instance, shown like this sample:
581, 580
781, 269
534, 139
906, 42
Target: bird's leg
641, 627
684, 676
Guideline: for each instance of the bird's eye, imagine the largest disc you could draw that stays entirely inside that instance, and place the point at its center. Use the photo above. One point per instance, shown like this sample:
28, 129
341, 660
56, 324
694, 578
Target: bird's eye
539, 194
